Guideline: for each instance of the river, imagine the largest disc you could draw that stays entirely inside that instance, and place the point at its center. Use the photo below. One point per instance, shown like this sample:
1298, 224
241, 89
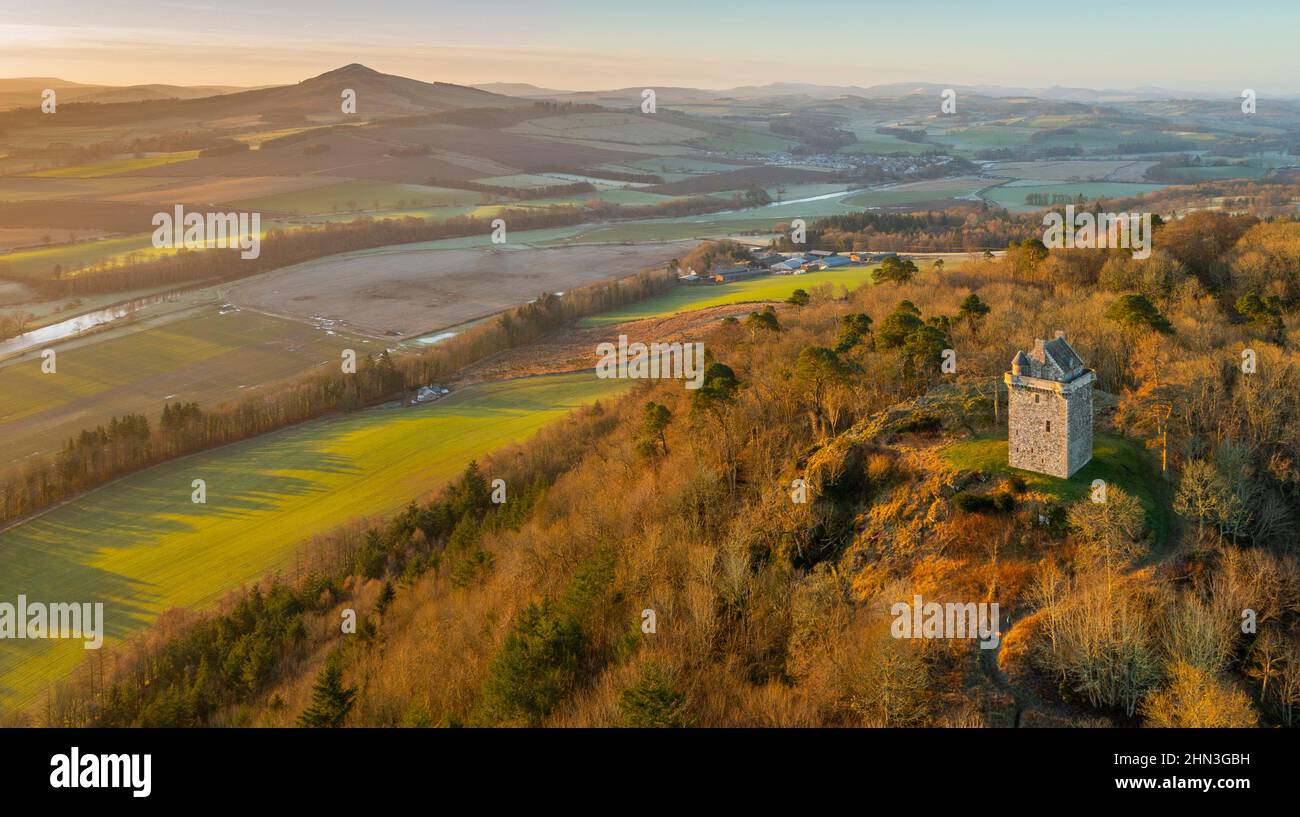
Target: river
65, 329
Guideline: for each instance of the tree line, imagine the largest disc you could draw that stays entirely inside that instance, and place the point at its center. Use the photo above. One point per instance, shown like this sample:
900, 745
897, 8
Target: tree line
953, 229
543, 192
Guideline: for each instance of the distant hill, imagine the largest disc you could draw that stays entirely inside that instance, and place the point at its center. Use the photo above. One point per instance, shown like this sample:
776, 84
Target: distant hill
377, 93
520, 89
25, 92
625, 97
317, 99
893, 90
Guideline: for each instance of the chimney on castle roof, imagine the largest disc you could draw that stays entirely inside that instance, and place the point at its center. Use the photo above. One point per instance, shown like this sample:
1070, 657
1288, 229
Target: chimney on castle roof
1060, 333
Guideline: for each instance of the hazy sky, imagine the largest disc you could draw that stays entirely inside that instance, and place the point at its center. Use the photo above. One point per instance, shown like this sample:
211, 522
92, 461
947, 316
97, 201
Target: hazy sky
588, 44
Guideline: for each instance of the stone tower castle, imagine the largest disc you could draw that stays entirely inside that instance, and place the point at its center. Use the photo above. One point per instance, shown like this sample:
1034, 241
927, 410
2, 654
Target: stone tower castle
1049, 409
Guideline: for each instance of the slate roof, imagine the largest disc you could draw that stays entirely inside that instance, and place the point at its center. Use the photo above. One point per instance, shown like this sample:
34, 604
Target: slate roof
1051, 359
1062, 354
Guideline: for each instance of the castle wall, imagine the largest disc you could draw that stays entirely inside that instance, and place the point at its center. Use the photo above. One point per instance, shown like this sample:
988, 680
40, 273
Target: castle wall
1080, 437
1030, 445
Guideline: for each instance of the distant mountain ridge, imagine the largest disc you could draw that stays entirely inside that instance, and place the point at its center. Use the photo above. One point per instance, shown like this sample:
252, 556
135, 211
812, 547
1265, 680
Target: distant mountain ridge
380, 94
316, 99
519, 89
1054, 93
25, 92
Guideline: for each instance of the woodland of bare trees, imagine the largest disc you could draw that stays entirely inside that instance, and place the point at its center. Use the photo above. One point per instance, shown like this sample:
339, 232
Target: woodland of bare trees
956, 229
1270, 197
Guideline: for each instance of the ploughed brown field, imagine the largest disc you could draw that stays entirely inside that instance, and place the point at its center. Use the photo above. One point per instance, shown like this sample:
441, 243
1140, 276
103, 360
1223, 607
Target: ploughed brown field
221, 190
369, 153
415, 291
14, 238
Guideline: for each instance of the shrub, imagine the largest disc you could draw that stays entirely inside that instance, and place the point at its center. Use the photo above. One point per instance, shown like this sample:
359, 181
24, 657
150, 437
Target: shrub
653, 702
999, 502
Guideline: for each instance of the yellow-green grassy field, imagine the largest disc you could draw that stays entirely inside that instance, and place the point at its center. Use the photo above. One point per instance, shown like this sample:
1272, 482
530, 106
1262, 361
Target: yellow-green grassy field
110, 167
685, 298
206, 357
354, 195
141, 546
39, 262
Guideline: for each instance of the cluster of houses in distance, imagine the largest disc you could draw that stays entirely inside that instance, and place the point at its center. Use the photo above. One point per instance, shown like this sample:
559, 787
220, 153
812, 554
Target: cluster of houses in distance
784, 264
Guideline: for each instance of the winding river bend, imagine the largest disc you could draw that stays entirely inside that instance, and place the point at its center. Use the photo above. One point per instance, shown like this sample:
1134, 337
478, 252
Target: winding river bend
74, 326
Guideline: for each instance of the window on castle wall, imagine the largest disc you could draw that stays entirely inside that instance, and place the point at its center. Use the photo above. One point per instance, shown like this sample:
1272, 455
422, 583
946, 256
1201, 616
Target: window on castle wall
1049, 425
1036, 398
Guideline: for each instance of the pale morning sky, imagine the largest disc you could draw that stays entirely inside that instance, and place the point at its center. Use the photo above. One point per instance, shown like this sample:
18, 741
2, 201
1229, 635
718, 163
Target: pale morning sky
588, 44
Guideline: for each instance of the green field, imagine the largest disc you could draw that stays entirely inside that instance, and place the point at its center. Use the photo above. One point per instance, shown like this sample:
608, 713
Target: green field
871, 142
109, 167
897, 198
736, 222
1192, 175
202, 356
1117, 460
520, 180
41, 261
361, 195
746, 141
608, 126
624, 196
983, 136
257, 137
40, 188
699, 296
141, 546
802, 191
